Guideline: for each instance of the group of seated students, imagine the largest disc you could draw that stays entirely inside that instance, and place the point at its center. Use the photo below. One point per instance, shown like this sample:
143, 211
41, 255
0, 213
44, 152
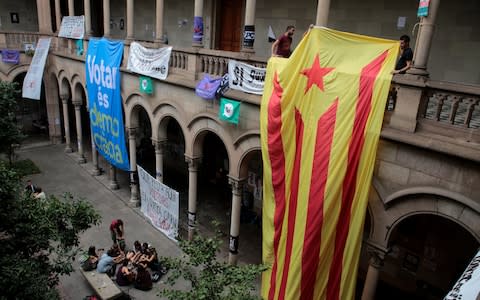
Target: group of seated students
134, 264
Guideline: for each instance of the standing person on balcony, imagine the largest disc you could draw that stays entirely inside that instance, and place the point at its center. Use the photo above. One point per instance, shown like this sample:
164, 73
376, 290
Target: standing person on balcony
404, 62
281, 47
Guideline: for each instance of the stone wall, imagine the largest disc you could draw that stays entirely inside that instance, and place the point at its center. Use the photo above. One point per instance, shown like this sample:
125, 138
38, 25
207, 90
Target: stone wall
26, 11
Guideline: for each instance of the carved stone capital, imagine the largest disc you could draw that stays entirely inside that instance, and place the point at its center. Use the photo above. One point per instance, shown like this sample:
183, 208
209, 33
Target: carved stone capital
193, 163
64, 99
237, 185
77, 104
159, 146
132, 133
377, 254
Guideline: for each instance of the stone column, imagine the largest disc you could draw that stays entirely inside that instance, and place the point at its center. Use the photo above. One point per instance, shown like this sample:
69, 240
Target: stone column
88, 17
78, 121
58, 15
44, 17
424, 41
113, 178
71, 12
96, 170
375, 265
159, 146
66, 123
130, 19
235, 219
159, 21
132, 144
323, 9
192, 195
198, 24
249, 30
106, 18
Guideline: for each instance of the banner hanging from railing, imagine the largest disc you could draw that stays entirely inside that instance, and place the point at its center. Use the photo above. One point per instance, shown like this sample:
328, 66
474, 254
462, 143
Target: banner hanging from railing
103, 85
73, 27
159, 204
245, 77
32, 84
149, 62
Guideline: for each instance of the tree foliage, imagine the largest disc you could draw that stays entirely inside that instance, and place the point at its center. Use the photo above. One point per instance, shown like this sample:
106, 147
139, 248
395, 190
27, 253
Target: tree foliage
209, 278
10, 133
39, 239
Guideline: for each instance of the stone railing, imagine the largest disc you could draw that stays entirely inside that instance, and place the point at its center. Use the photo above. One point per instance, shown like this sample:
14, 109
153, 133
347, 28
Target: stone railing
17, 39
449, 105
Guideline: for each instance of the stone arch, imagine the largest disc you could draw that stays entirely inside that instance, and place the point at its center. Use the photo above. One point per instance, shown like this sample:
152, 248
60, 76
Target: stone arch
64, 84
199, 126
15, 71
161, 115
3, 77
77, 90
131, 110
247, 146
424, 202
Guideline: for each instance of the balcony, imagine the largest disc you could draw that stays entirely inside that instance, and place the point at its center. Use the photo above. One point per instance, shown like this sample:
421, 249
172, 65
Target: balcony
441, 116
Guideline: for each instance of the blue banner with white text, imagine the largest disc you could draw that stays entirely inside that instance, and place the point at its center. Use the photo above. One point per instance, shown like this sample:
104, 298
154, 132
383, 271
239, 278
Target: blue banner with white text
103, 84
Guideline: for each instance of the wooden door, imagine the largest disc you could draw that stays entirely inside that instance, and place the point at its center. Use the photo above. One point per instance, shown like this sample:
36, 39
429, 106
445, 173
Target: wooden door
230, 25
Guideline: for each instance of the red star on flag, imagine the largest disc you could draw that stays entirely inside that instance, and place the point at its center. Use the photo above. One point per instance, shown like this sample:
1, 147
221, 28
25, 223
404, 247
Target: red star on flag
315, 74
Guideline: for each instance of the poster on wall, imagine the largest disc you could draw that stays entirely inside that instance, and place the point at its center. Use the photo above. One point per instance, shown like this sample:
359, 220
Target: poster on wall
72, 27
149, 62
32, 84
103, 85
160, 204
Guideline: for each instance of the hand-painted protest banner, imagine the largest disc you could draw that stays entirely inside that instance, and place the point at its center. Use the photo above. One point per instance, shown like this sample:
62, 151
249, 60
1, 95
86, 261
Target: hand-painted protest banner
468, 285
73, 27
246, 78
149, 62
32, 84
160, 204
103, 85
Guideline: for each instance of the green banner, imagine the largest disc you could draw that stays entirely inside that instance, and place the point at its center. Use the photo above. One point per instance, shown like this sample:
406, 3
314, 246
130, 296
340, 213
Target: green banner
229, 110
145, 85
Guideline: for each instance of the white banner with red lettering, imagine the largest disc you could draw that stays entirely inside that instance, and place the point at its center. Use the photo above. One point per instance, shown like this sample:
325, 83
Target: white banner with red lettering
159, 203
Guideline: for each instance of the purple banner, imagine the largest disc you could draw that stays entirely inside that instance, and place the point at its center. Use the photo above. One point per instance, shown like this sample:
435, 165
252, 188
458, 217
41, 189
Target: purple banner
197, 29
207, 87
11, 56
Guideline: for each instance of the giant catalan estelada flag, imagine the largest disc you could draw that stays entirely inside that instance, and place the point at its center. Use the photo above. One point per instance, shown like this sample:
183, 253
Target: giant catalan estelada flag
321, 116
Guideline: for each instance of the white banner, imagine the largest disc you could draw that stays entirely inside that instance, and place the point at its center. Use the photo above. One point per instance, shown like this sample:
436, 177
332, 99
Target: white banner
246, 78
73, 27
149, 62
160, 204
32, 84
468, 286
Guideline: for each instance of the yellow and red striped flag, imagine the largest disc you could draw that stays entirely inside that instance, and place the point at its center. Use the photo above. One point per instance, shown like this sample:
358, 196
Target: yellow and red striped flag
321, 115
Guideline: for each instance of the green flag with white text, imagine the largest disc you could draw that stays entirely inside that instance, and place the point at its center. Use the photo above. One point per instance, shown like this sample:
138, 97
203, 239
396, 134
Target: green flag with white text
229, 110
146, 85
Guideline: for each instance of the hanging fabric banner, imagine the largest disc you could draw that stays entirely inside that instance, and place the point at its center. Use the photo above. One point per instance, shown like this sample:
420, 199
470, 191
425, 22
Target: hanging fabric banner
11, 56
79, 47
103, 85
229, 110
320, 121
72, 27
160, 204
146, 85
207, 87
245, 77
149, 62
467, 286
32, 84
